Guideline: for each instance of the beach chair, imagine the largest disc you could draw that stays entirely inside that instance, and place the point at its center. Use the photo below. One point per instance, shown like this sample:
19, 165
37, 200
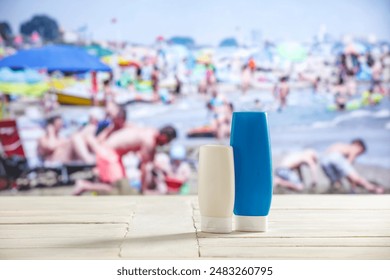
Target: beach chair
12, 159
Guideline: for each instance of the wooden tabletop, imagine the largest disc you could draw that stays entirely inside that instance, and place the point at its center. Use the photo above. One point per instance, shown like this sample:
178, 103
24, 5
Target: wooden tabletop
113, 227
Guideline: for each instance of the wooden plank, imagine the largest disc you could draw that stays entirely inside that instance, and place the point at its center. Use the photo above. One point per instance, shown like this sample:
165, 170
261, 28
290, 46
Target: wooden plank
307, 230
102, 203
162, 229
68, 219
323, 253
59, 254
44, 231
79, 242
317, 216
296, 242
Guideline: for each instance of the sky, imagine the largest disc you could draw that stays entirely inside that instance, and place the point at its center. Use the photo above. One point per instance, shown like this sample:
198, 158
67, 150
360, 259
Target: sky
207, 21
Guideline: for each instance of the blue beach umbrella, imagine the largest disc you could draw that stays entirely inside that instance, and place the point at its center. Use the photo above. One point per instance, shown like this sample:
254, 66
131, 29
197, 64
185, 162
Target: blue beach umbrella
55, 58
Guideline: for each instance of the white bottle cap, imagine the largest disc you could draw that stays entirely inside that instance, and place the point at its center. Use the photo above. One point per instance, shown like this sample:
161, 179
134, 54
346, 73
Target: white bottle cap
216, 225
251, 223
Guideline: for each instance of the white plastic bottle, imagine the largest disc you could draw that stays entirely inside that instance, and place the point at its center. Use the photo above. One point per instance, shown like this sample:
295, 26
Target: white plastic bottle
216, 188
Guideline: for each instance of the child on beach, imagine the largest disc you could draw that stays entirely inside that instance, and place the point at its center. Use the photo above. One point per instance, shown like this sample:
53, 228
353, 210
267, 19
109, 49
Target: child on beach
337, 164
289, 175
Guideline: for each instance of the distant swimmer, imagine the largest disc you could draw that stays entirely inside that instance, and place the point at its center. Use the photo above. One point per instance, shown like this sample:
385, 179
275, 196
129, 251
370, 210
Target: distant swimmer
289, 173
337, 164
340, 92
246, 77
281, 91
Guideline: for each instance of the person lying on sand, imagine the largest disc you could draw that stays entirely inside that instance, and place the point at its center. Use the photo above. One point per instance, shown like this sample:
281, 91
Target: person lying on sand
337, 164
289, 175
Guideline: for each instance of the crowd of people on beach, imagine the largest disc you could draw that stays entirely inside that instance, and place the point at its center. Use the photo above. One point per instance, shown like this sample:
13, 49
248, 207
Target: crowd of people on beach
108, 136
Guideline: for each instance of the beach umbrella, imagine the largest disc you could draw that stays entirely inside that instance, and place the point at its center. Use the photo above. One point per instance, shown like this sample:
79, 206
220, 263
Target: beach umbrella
55, 58
292, 51
98, 51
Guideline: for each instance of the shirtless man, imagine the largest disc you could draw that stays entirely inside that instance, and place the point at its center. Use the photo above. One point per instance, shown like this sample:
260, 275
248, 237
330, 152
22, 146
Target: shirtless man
289, 174
140, 140
281, 91
337, 164
53, 148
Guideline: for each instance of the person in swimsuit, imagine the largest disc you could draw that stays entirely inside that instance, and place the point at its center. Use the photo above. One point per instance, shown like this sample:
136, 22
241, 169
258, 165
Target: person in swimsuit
246, 76
289, 173
222, 121
281, 91
337, 164
79, 139
340, 91
52, 147
140, 140
155, 77
98, 129
109, 94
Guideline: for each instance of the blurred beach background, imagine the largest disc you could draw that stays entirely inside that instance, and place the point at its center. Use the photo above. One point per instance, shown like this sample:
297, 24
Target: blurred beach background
321, 70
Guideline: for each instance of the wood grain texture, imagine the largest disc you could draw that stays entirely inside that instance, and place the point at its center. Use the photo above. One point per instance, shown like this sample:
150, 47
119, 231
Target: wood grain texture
110, 227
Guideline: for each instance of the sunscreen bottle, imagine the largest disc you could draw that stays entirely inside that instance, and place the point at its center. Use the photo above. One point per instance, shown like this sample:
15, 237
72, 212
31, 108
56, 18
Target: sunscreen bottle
216, 188
253, 170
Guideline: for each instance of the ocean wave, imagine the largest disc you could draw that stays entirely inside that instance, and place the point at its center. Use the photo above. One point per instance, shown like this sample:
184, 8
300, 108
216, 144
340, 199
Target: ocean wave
147, 112
384, 113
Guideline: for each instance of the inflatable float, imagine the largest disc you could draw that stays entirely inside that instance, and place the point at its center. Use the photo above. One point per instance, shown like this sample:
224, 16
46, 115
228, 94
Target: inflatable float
366, 100
201, 132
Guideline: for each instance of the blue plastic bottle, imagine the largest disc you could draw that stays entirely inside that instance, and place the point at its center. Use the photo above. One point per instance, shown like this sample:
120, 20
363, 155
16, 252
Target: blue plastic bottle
253, 170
